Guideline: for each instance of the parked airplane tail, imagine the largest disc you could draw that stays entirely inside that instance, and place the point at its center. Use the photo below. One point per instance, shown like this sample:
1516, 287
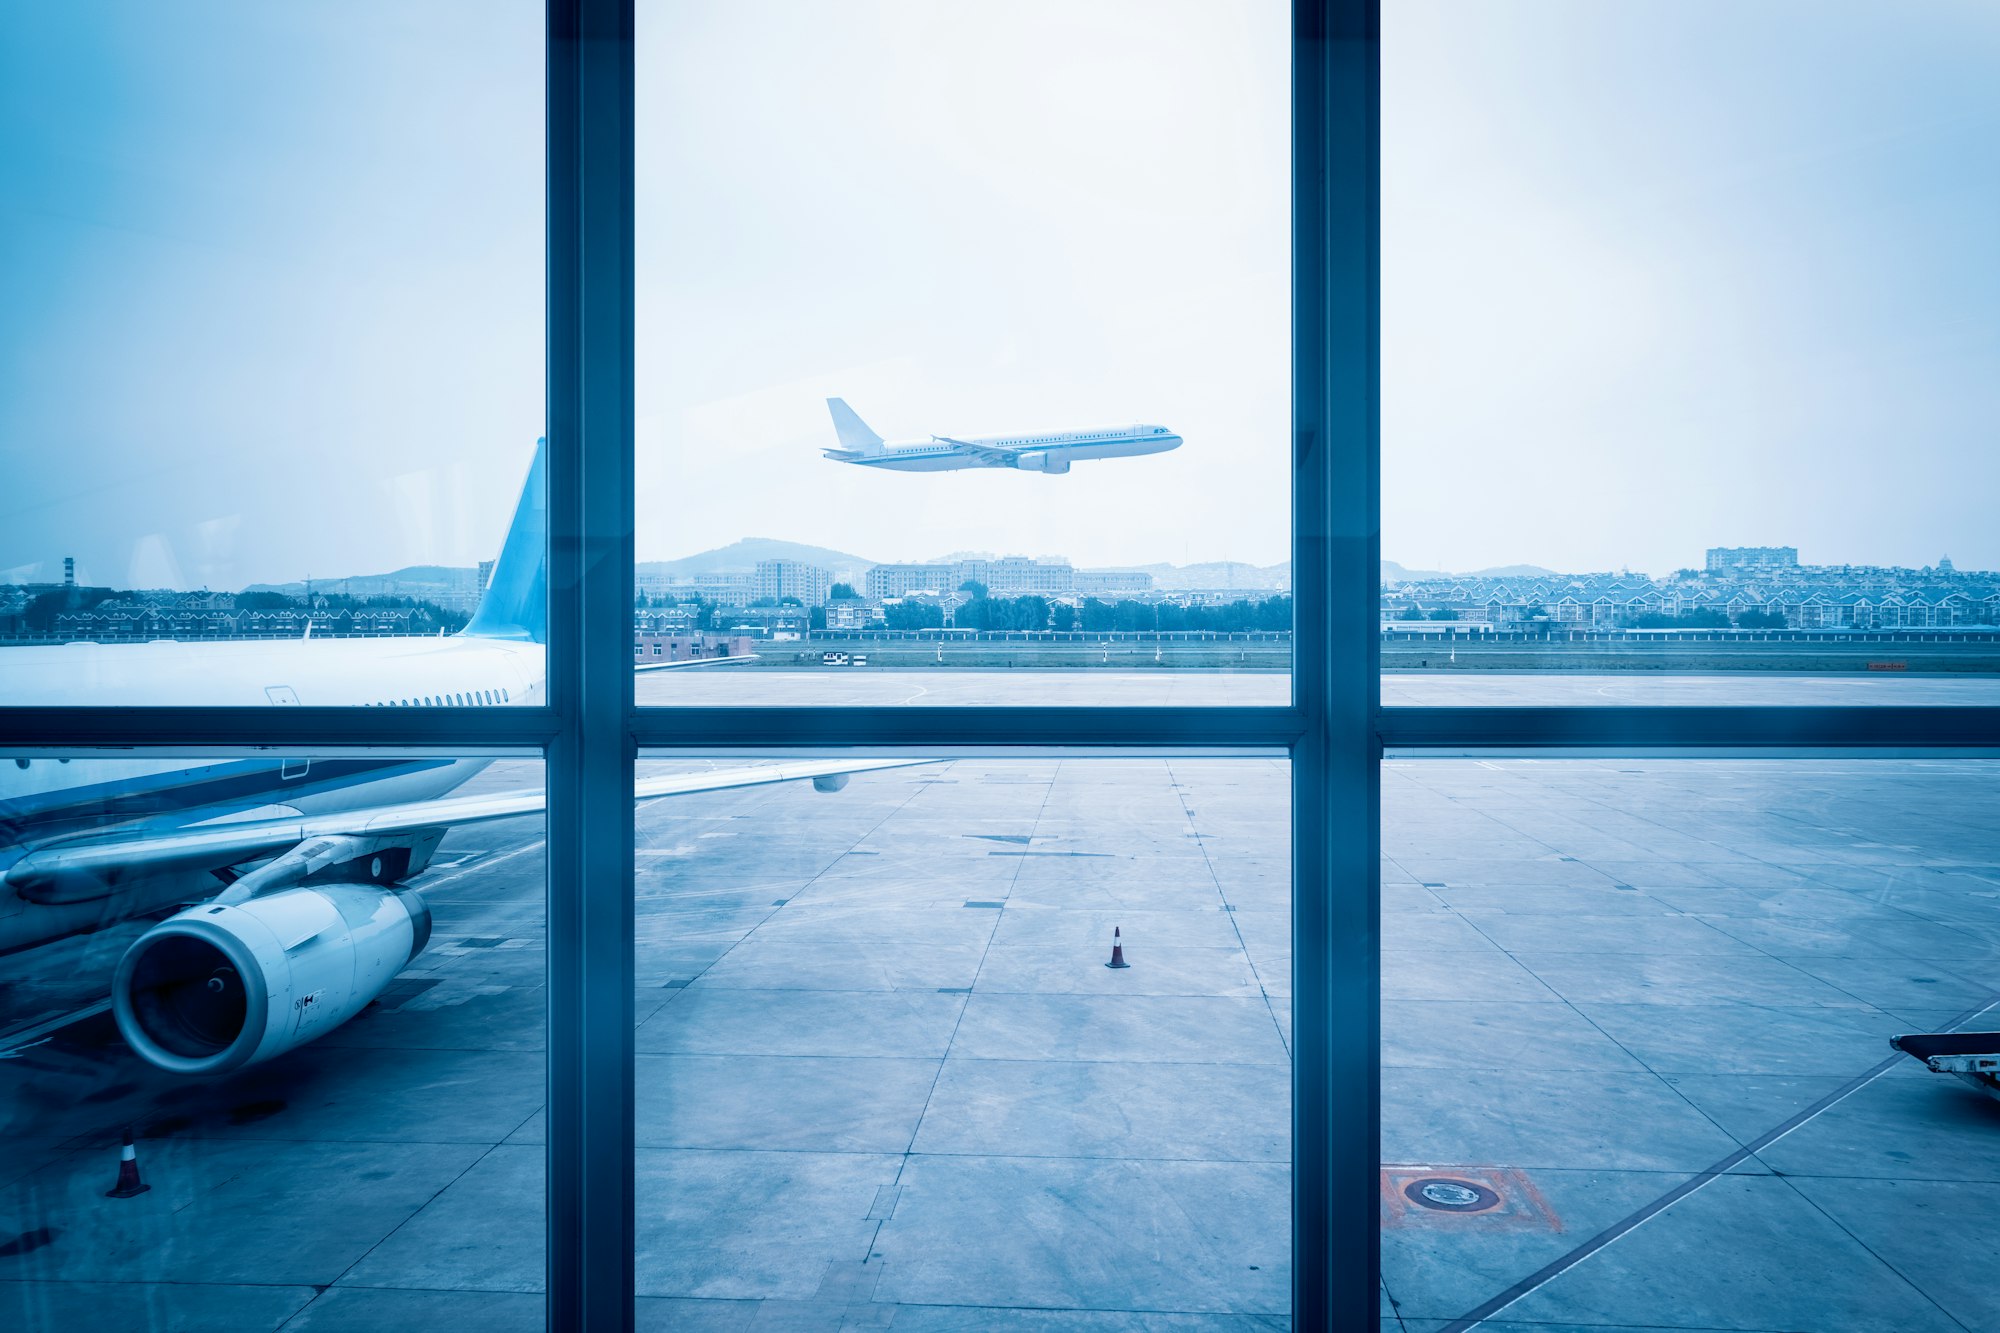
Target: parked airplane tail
853, 431
515, 605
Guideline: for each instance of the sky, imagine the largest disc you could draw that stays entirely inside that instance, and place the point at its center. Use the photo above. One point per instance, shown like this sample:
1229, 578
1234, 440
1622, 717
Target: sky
1657, 275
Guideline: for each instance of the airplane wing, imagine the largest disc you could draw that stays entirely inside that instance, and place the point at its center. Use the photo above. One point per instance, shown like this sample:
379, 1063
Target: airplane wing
45, 873
736, 660
983, 452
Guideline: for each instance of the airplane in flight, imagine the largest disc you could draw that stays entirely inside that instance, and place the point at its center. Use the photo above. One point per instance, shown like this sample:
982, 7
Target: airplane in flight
1051, 452
279, 880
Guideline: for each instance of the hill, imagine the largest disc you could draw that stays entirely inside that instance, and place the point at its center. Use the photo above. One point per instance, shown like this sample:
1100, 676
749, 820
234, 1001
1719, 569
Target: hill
1213, 574
410, 581
742, 557
1393, 573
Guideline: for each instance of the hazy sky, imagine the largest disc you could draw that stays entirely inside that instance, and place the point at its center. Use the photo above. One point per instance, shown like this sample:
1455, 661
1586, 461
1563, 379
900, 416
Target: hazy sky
1668, 274
1657, 275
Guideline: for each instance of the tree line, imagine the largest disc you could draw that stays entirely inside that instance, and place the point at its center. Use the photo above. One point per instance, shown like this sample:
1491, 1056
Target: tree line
41, 614
1092, 616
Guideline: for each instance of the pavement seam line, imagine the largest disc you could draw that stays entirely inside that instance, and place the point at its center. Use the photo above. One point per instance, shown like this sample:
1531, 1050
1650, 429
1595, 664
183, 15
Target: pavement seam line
909, 1149
1549, 1272
1235, 923
1870, 1250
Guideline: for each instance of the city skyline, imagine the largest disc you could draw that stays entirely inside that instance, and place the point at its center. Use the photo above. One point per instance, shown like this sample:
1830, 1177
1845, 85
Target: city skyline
1524, 571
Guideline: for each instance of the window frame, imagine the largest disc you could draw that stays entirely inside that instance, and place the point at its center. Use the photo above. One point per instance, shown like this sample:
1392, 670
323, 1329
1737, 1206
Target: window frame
589, 732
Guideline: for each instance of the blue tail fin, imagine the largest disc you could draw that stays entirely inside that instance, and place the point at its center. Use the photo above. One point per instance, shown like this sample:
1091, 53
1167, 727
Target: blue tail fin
516, 602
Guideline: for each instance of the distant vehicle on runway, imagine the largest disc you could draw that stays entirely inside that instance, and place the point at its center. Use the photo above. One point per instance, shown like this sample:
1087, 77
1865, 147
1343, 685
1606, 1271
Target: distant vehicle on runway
276, 881
1051, 452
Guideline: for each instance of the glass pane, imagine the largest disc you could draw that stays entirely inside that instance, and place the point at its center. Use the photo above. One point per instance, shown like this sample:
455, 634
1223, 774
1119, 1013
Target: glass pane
325, 1045
1689, 313
1650, 1002
890, 1068
271, 355
964, 352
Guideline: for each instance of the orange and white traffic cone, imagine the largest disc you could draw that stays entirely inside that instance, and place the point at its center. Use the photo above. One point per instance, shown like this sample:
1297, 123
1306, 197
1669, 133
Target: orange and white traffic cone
129, 1183
1117, 951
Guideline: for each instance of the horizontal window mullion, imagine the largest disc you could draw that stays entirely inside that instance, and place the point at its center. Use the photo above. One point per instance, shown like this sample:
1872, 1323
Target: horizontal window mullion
1148, 728
1608, 727
333, 728
1861, 728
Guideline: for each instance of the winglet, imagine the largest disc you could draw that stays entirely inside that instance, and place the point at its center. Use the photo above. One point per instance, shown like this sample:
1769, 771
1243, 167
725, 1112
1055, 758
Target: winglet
853, 431
515, 605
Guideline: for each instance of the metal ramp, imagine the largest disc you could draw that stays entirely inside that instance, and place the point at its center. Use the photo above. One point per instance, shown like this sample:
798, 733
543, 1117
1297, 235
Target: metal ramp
1973, 1056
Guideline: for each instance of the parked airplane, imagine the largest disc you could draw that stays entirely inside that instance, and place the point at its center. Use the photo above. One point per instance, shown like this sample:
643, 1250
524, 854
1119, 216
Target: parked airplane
1052, 452
286, 870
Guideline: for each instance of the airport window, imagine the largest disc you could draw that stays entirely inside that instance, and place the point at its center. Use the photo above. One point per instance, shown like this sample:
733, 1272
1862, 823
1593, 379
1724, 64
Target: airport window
1677, 1014
892, 425
378, 1072
1669, 859
1539, 316
963, 992
145, 261
1665, 938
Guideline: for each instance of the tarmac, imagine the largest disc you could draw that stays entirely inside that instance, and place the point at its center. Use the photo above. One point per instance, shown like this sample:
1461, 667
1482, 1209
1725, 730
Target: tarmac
886, 1081
947, 687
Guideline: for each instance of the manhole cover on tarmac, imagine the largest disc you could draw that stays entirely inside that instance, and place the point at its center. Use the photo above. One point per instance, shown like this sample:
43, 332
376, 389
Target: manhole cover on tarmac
1451, 1196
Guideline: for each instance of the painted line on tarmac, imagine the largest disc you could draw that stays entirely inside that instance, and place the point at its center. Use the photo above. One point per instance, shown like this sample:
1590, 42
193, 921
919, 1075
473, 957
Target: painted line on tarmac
534, 846
1542, 1276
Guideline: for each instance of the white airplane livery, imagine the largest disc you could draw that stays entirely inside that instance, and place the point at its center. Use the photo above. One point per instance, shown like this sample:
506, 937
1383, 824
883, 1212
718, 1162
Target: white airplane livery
278, 879
1052, 452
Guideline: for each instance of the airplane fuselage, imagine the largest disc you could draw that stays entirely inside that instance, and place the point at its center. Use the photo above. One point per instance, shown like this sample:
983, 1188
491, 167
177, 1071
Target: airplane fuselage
1053, 452
46, 799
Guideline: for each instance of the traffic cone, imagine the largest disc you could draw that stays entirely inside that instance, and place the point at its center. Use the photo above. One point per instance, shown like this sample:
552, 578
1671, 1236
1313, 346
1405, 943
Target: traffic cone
1117, 951
129, 1183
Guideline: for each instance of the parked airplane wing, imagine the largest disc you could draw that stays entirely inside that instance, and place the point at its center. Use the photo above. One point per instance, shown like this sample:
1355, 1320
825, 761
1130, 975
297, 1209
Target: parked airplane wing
43, 874
735, 660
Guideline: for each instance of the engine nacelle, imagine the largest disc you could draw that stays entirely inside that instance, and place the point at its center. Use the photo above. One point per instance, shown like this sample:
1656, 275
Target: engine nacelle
218, 987
1053, 464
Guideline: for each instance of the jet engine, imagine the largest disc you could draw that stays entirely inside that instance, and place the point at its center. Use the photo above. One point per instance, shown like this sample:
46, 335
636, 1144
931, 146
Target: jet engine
1054, 464
223, 985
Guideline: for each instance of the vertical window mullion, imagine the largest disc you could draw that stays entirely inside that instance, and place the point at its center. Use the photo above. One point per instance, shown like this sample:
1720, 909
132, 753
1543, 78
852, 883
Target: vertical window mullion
590, 760
1336, 761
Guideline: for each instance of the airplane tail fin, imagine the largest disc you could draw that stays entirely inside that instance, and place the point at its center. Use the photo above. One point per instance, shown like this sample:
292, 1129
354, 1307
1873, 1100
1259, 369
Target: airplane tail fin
515, 604
853, 431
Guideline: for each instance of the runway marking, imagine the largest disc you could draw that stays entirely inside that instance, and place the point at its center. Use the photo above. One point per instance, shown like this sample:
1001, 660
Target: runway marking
534, 846
1542, 1276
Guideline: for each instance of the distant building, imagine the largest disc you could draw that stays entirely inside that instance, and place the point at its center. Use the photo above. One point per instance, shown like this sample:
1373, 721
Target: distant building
1009, 576
902, 580
1726, 559
679, 619
852, 613
1095, 582
778, 579
769, 622
663, 648
722, 588
1018, 576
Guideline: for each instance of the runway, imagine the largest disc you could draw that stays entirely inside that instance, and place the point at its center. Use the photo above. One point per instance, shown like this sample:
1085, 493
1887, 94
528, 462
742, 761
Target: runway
1120, 688
886, 1081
